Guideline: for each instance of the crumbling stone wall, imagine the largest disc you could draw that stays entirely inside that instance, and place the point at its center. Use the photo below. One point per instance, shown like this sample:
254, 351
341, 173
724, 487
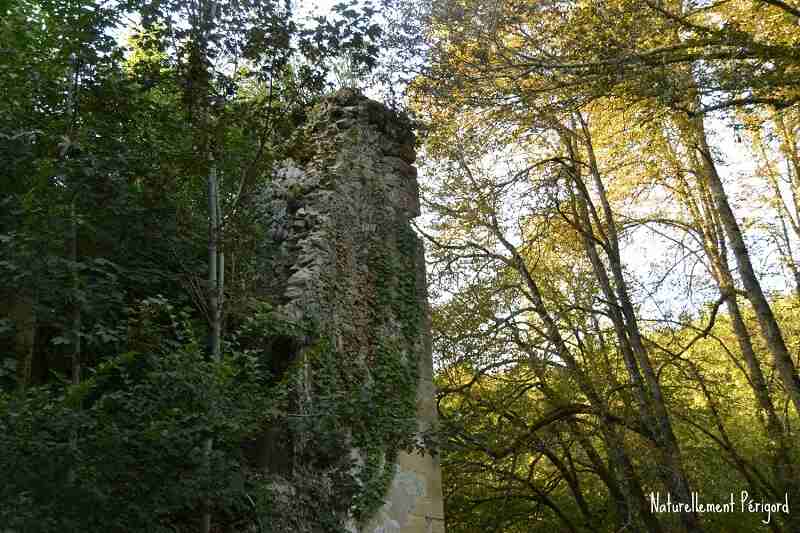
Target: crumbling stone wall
349, 330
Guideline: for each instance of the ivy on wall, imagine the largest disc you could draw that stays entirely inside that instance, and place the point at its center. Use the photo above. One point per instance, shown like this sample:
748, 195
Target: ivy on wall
350, 397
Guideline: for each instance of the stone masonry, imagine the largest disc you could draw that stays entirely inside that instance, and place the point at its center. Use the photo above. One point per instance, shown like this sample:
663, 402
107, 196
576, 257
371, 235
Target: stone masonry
342, 244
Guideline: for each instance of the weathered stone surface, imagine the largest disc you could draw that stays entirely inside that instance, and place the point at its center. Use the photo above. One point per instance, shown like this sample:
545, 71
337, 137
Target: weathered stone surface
346, 262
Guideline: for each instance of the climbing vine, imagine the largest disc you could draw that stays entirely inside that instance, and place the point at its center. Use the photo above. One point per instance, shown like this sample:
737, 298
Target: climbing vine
349, 262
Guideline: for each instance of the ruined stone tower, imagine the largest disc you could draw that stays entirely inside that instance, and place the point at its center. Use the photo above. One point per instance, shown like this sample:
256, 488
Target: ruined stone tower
350, 331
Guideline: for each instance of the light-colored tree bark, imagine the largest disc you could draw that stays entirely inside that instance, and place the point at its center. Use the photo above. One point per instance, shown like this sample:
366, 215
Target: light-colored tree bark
76, 299
696, 197
603, 229
216, 266
769, 327
207, 12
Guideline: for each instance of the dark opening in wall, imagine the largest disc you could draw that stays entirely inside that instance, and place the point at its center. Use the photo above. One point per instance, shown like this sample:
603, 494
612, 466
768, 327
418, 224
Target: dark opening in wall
282, 352
272, 450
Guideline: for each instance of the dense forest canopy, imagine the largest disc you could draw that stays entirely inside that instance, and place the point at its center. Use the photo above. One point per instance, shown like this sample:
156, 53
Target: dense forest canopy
139, 366
579, 379
616, 311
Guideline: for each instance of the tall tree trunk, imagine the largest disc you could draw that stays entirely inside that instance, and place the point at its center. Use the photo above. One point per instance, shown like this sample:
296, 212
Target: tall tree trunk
656, 415
204, 23
706, 219
216, 265
75, 358
787, 255
784, 212
76, 319
76, 299
789, 146
770, 330
632, 502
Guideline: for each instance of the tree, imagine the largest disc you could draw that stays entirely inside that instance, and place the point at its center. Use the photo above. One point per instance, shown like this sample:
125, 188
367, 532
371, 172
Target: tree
122, 150
557, 55
534, 310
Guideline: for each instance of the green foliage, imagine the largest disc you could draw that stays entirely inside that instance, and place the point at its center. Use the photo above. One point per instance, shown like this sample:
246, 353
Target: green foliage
106, 395
131, 459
